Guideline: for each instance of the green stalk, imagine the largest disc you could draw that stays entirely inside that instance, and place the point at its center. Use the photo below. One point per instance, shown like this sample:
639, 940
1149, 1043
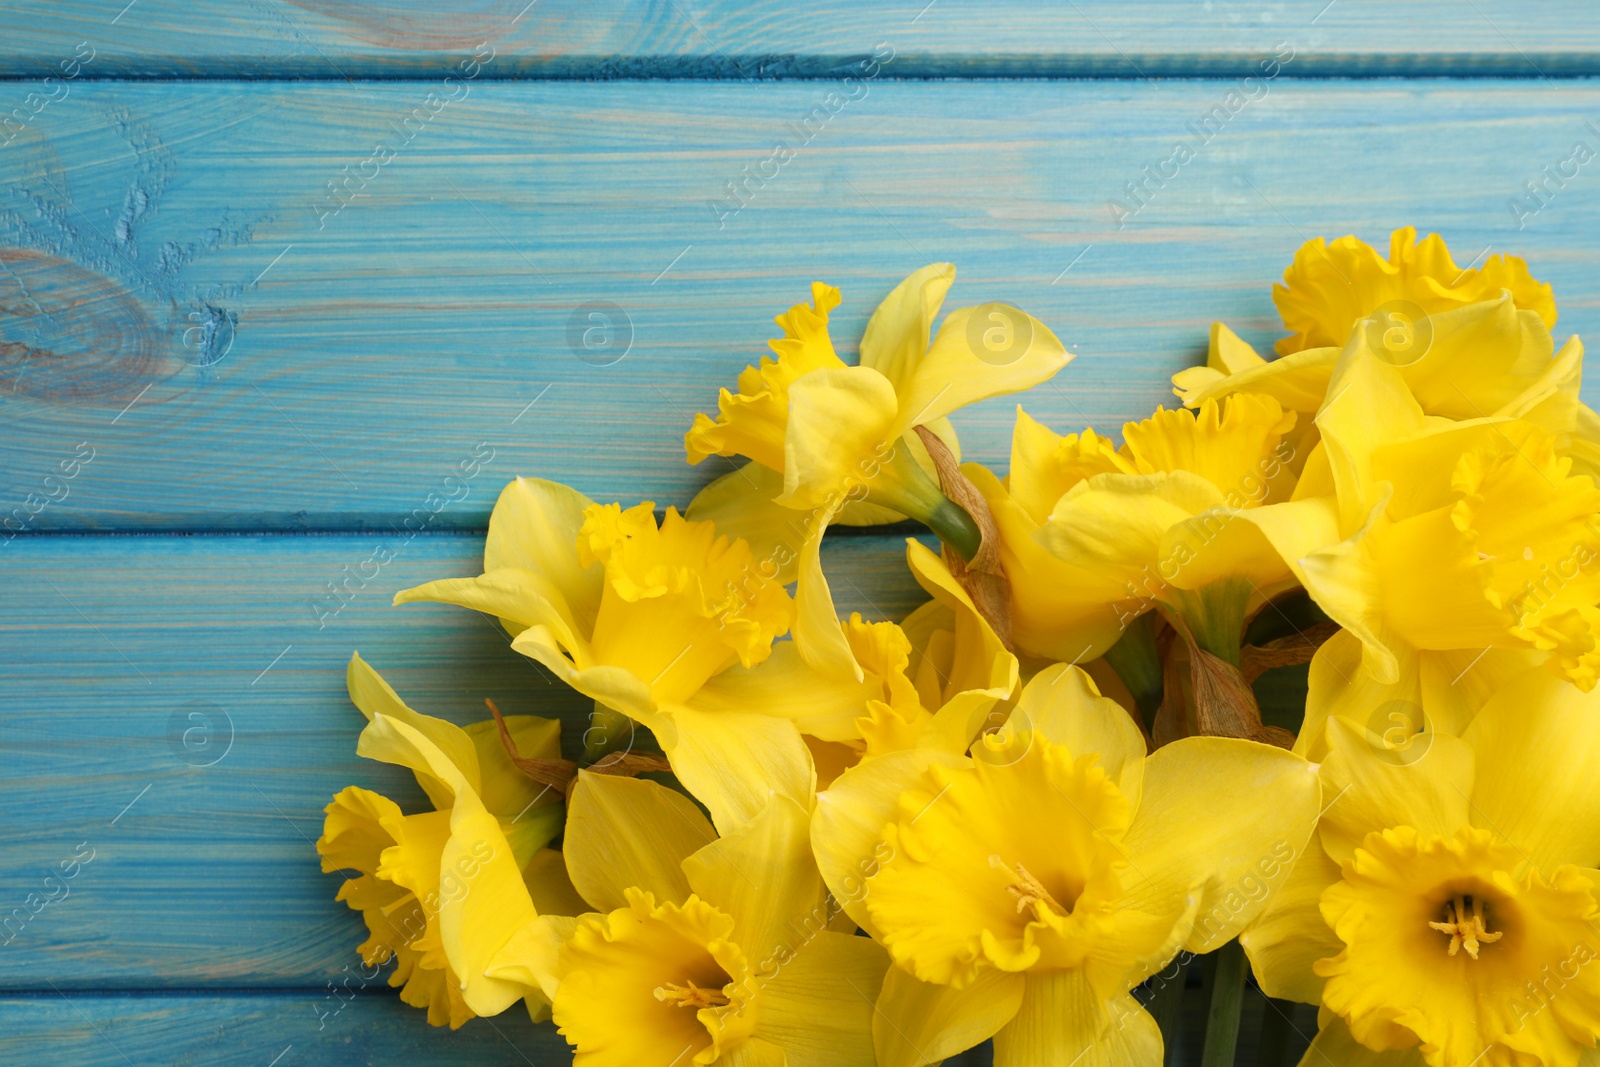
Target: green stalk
955, 528
901, 484
1215, 615
1227, 996
1137, 661
609, 731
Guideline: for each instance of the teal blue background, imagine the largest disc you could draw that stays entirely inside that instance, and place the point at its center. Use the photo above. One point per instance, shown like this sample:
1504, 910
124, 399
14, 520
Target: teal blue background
254, 392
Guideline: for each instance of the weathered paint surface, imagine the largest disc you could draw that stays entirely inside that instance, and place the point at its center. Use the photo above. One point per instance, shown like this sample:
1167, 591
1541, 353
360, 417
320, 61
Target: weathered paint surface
238, 309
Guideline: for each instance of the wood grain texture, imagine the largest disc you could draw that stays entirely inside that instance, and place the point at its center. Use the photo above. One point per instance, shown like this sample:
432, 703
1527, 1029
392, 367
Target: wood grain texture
303, 1028
741, 40
202, 870
184, 301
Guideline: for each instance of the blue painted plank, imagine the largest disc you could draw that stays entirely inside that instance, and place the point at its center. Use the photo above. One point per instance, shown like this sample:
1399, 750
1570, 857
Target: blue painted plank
302, 1029
240, 352
742, 40
192, 858
277, 1028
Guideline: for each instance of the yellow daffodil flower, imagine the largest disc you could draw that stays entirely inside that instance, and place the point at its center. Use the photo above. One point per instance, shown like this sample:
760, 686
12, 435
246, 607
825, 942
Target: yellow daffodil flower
1024, 890
828, 441
434, 887
1448, 913
672, 626
1198, 511
1331, 287
1463, 546
933, 679
1468, 343
703, 949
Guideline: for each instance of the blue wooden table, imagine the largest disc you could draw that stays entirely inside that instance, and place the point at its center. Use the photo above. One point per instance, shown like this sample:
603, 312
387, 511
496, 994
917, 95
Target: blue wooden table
260, 345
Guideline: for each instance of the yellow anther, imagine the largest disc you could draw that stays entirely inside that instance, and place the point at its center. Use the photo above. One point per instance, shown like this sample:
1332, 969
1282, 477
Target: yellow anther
1028, 890
690, 995
1466, 929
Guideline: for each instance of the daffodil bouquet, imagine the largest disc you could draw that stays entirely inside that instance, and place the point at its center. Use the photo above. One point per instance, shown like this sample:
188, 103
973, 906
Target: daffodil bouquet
1017, 813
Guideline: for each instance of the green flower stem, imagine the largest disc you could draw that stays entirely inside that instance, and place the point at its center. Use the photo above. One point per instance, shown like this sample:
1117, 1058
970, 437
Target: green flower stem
609, 731
1227, 996
955, 528
1215, 615
1137, 661
902, 485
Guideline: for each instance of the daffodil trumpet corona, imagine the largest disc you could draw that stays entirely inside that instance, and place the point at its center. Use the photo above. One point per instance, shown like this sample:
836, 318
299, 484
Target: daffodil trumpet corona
1300, 673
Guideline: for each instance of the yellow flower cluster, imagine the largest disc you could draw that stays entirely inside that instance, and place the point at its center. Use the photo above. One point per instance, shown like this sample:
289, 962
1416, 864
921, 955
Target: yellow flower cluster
793, 839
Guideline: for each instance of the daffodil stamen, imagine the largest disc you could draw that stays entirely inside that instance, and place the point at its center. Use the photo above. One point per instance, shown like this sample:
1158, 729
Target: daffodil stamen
690, 995
1029, 891
1466, 930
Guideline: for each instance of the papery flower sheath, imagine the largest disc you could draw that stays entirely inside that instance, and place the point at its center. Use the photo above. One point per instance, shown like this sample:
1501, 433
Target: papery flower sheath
670, 625
1448, 909
828, 441
434, 887
703, 949
1024, 890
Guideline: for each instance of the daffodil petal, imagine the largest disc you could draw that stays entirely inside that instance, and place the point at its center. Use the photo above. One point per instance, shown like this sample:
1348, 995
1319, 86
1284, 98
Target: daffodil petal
1377, 774
504, 789
919, 1023
1298, 381
819, 1005
897, 335
615, 687
534, 527
1333, 1044
530, 954
1263, 544
627, 833
1221, 819
1063, 703
1481, 357
1367, 406
762, 874
1045, 464
753, 1052
1115, 522
1290, 934
374, 696
981, 661
733, 761
980, 352
848, 823
824, 706
1333, 284
519, 599
1062, 609
838, 420
1063, 1020
1230, 353
1346, 584
817, 635
743, 503
482, 897
492, 904
1537, 748
550, 885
